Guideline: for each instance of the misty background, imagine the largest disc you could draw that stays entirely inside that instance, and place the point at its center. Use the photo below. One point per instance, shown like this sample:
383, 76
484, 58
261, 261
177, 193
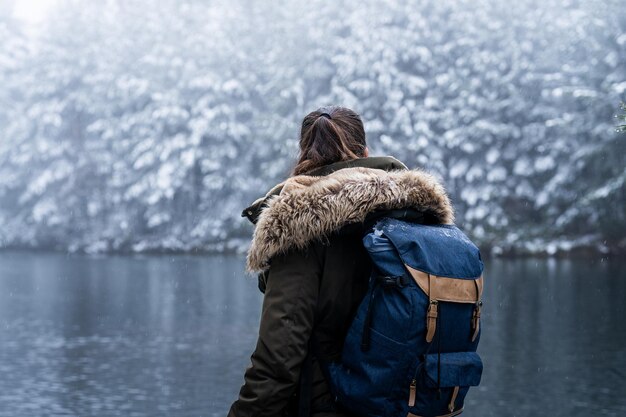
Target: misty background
149, 125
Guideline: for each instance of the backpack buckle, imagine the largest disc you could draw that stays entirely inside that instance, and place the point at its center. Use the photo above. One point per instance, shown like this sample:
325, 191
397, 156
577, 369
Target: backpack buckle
476, 319
399, 281
431, 320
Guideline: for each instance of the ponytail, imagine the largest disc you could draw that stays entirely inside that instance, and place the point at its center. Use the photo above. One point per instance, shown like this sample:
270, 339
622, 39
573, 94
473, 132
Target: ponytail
327, 135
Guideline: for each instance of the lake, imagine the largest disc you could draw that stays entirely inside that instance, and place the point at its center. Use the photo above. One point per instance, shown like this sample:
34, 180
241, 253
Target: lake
171, 335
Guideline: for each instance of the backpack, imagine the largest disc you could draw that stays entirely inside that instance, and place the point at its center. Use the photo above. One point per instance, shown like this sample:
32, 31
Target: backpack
411, 348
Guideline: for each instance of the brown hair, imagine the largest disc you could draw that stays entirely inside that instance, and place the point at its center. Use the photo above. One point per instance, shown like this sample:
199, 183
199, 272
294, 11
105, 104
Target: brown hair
330, 134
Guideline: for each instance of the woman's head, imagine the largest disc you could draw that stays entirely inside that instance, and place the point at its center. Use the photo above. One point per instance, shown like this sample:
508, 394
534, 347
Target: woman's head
330, 134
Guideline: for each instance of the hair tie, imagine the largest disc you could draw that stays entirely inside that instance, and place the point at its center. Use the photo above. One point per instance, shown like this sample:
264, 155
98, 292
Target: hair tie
326, 115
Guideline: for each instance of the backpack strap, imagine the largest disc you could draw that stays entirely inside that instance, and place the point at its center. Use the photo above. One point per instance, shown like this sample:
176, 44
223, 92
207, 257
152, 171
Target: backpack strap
476, 315
433, 310
367, 323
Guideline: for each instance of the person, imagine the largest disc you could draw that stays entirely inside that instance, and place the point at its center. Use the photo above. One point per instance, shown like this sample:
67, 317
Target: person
314, 268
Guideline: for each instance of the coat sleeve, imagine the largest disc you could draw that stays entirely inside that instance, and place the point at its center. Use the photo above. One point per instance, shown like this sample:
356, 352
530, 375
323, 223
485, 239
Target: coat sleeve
287, 318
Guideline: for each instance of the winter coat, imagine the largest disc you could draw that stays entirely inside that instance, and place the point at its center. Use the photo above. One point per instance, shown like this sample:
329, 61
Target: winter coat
314, 270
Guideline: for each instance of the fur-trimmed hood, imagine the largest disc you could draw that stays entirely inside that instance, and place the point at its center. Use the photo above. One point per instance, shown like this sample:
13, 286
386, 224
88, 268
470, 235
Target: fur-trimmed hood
312, 207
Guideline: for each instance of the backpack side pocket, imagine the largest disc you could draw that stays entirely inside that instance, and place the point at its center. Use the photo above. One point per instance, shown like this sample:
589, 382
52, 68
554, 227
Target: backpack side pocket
441, 383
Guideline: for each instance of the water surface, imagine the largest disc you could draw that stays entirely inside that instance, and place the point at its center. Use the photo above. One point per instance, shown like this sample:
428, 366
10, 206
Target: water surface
172, 335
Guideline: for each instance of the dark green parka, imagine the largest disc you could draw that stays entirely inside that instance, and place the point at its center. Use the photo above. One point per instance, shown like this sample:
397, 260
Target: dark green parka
315, 271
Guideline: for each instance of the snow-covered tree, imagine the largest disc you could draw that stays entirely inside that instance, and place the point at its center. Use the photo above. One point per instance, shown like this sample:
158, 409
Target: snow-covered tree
149, 125
622, 118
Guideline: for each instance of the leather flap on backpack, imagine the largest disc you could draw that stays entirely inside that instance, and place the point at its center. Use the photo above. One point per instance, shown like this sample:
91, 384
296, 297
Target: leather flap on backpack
448, 289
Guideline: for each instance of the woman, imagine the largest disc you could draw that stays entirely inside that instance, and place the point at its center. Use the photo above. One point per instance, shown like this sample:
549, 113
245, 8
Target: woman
314, 269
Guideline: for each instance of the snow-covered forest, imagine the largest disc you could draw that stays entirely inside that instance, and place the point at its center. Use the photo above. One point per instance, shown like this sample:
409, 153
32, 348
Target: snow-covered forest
147, 125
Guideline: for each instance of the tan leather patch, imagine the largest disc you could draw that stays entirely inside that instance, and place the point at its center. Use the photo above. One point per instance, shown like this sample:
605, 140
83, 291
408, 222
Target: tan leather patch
454, 290
412, 393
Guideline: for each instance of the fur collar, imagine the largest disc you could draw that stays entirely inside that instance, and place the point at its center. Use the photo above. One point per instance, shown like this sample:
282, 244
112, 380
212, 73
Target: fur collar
309, 207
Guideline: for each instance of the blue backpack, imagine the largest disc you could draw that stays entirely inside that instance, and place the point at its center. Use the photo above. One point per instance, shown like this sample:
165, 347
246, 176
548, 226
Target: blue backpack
411, 349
